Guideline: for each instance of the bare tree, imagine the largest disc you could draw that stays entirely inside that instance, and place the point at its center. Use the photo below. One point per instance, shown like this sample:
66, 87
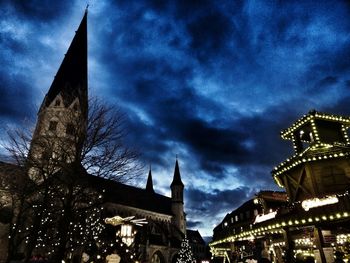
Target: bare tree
104, 153
52, 208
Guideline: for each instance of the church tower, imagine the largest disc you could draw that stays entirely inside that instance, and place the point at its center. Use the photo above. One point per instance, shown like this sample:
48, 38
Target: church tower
177, 199
62, 117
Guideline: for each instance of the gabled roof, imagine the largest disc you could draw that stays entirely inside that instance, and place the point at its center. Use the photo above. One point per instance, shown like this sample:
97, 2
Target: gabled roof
115, 192
194, 237
132, 196
71, 79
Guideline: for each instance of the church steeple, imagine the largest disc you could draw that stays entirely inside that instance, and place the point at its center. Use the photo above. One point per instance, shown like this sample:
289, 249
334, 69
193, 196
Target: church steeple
71, 80
62, 116
149, 186
177, 200
177, 177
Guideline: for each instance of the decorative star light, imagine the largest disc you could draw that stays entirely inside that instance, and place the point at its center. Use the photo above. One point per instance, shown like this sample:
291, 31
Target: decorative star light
118, 220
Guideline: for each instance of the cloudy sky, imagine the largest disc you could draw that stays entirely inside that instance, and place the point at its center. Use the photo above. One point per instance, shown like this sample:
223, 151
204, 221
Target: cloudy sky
211, 81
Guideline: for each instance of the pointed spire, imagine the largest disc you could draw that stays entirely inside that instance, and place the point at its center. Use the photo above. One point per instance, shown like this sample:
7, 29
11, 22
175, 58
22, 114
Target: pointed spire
71, 80
177, 176
149, 186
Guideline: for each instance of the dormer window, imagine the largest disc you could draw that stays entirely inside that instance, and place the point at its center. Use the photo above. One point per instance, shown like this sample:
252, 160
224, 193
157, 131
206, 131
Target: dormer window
53, 125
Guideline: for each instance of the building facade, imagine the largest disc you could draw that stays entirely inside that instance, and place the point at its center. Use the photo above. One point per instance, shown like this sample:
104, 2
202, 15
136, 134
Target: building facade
258, 209
198, 246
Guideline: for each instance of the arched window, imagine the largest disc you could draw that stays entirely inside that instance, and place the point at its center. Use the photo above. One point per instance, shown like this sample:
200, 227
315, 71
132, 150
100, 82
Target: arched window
157, 257
53, 125
70, 129
174, 258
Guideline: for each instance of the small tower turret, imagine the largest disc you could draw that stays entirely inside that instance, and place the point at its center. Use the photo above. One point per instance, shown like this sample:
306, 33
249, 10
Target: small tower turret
149, 185
177, 189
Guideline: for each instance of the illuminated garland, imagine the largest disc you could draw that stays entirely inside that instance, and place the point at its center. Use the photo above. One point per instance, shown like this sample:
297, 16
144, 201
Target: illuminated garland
311, 117
275, 228
297, 159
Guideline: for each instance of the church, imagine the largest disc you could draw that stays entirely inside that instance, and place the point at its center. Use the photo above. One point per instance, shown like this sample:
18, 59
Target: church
155, 222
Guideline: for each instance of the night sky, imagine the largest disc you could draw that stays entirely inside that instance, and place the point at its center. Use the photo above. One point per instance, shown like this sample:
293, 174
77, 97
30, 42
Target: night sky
213, 82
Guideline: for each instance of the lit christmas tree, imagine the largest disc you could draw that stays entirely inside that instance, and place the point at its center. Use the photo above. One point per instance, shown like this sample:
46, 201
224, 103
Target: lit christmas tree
185, 253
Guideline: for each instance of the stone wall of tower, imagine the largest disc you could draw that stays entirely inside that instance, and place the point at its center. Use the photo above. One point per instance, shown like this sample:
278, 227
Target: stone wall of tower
58, 133
177, 207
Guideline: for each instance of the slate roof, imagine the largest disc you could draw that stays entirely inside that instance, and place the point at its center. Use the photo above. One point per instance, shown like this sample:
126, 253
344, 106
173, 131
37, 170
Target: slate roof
194, 237
115, 192
149, 185
128, 195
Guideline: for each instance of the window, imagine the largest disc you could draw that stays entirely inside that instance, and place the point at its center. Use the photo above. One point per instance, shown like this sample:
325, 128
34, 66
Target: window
256, 212
58, 102
236, 218
157, 258
46, 155
247, 214
53, 125
70, 129
75, 106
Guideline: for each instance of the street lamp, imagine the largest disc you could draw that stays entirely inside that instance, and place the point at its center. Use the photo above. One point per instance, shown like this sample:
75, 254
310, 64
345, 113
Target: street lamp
127, 232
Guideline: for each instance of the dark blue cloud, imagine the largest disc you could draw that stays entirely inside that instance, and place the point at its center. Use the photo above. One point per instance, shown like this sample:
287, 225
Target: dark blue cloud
39, 10
203, 204
15, 98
